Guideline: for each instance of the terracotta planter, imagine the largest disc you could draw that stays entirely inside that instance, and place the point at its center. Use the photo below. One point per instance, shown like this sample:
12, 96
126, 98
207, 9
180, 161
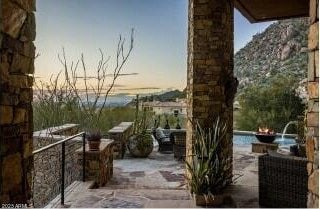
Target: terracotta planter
94, 140
94, 145
209, 200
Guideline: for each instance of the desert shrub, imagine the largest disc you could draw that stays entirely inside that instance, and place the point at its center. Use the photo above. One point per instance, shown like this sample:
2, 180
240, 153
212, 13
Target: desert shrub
270, 105
55, 114
61, 99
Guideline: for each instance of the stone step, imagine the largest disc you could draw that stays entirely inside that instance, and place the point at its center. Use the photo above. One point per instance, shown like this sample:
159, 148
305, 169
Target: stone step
152, 194
73, 188
133, 198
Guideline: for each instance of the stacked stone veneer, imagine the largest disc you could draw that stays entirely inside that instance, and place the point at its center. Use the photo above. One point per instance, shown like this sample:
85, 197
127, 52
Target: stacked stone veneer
17, 53
47, 164
120, 134
312, 136
99, 164
210, 85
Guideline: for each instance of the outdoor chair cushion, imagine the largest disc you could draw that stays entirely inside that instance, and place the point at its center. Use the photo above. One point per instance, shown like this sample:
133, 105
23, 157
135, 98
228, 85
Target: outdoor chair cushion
160, 134
166, 132
164, 141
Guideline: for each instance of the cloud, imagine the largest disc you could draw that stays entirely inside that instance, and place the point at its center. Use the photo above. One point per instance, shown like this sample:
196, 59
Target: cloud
139, 88
109, 75
124, 74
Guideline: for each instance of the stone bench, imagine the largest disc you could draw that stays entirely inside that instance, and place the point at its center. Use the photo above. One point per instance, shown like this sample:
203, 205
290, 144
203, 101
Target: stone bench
120, 135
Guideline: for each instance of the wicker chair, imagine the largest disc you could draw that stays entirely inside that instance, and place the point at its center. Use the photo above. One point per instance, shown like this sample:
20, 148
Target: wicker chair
179, 145
164, 141
283, 181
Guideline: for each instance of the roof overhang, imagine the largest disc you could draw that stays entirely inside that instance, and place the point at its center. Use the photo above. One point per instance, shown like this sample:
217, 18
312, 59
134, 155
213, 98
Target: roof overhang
268, 10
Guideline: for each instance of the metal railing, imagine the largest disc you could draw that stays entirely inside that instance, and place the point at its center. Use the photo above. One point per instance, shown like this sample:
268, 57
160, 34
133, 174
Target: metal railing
62, 142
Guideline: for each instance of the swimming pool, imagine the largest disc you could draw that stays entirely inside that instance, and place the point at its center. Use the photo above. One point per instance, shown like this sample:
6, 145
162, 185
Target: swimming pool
244, 140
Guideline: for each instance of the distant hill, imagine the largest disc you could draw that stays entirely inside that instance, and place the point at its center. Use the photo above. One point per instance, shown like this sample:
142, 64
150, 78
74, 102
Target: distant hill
165, 97
280, 49
168, 96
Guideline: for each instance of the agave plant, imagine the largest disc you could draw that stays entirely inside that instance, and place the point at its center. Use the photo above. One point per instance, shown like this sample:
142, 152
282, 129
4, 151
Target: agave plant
207, 168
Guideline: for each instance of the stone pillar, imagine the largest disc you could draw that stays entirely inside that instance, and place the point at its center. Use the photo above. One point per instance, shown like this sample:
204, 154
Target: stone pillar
17, 54
312, 135
210, 85
99, 164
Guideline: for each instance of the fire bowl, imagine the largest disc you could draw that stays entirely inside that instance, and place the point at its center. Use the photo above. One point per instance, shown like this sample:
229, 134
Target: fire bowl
266, 138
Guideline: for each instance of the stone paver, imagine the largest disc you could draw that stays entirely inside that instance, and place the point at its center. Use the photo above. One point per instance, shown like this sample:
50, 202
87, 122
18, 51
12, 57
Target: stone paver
158, 182
170, 204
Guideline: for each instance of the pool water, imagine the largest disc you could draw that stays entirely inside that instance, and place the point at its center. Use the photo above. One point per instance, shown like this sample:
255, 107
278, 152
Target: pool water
248, 139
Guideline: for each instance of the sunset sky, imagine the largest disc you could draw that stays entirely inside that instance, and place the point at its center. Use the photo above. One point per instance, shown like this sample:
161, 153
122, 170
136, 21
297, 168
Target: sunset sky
160, 38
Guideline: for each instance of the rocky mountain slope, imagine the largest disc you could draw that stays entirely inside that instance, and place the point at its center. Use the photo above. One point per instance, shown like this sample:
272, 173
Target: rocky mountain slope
280, 49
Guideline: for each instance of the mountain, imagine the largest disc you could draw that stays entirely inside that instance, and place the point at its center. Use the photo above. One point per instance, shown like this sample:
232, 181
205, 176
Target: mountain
118, 100
280, 49
169, 96
165, 97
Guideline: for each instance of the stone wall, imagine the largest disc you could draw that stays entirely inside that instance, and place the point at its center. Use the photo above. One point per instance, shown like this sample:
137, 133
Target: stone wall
210, 85
120, 134
47, 164
17, 54
99, 164
312, 136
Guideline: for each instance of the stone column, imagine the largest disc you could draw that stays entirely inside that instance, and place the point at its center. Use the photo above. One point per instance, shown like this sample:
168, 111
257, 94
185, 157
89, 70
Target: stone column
17, 54
312, 135
99, 164
211, 85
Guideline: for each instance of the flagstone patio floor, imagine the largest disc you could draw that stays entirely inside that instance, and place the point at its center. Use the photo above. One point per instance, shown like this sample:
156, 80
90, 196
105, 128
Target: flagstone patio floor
158, 182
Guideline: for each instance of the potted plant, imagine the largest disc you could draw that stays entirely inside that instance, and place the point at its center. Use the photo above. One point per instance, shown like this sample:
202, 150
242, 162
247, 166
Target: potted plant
93, 132
94, 139
167, 126
92, 128
140, 143
207, 176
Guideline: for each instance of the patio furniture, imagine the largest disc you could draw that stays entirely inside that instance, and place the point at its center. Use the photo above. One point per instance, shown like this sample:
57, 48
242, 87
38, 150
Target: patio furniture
179, 145
283, 181
164, 141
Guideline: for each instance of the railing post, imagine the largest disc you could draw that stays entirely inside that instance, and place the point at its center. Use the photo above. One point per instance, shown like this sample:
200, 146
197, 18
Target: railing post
62, 173
84, 157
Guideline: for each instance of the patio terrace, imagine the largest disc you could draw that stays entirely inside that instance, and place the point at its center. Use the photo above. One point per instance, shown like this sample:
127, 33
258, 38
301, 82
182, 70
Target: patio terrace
158, 182
211, 89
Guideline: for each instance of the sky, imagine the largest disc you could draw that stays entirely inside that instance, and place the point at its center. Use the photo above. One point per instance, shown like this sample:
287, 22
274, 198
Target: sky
159, 56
